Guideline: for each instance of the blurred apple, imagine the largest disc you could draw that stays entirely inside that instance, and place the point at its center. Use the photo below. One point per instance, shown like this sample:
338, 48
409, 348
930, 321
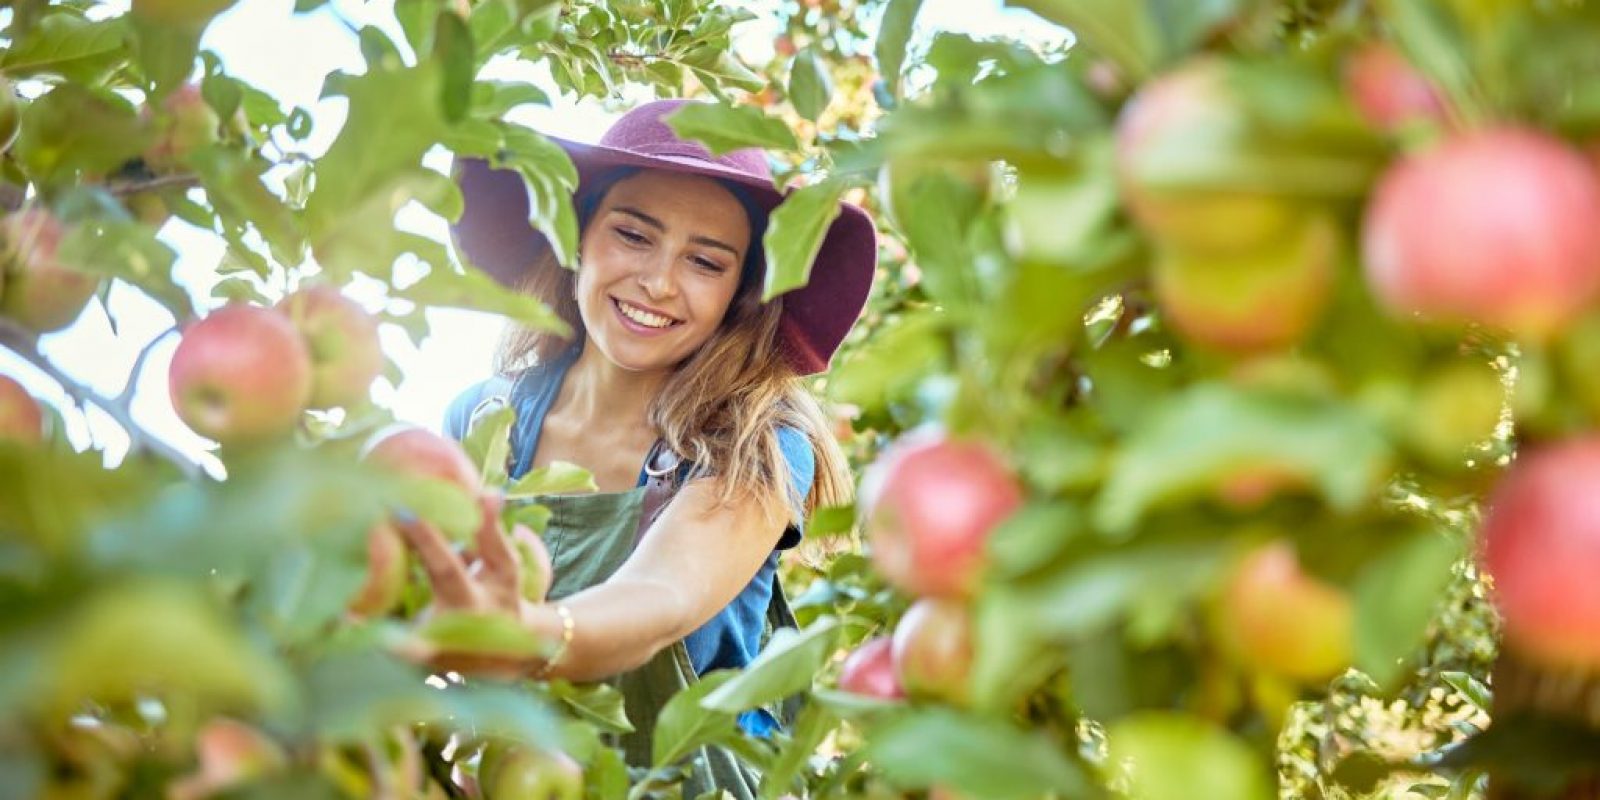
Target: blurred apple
41, 293
343, 341
869, 671
21, 418
1387, 90
932, 650
1275, 618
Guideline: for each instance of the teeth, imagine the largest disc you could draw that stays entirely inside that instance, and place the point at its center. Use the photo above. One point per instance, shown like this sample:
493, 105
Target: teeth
643, 317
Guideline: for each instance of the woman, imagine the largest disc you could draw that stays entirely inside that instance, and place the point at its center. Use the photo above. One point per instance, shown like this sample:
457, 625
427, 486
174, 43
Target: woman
679, 383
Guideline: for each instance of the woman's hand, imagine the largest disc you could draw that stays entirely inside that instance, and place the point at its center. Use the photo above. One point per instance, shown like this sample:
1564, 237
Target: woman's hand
486, 580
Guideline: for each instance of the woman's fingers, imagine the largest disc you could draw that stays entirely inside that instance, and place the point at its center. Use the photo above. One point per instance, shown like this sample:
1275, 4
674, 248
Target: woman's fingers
502, 568
452, 586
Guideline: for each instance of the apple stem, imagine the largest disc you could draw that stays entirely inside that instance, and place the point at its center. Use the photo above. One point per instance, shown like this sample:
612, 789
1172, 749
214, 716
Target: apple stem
25, 344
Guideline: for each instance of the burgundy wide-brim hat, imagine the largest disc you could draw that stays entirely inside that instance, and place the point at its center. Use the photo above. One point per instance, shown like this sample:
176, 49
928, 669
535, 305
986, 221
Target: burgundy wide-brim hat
494, 234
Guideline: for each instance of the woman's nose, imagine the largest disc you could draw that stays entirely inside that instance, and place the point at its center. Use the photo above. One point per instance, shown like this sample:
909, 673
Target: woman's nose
656, 277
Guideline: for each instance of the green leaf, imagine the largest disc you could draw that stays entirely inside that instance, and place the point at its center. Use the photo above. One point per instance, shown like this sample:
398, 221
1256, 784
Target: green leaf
1123, 30
899, 18
551, 179
684, 725
166, 51
831, 520
810, 86
1470, 688
477, 291
1186, 23
489, 443
1198, 439
788, 664
75, 128
67, 44
980, 756
444, 503
131, 252
394, 117
724, 128
1178, 757
233, 183
559, 477
1396, 596
453, 49
814, 724
494, 98
795, 233
597, 703
889, 365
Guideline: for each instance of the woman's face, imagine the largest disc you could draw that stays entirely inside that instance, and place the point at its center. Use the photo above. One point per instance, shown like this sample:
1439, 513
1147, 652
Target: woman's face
660, 263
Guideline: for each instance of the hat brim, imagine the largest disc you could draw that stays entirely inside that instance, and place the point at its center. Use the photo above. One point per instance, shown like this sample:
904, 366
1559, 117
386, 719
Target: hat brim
494, 234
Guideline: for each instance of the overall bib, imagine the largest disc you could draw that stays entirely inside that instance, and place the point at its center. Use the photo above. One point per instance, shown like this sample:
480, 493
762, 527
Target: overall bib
589, 537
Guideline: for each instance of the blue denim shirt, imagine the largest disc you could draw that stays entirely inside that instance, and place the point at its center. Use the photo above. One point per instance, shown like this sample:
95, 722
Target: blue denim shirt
729, 640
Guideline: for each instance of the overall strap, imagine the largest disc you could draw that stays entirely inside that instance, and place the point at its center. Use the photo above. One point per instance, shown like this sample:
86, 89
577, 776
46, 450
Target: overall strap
661, 481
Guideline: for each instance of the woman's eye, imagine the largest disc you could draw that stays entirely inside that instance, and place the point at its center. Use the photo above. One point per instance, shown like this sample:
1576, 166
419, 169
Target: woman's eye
709, 264
631, 237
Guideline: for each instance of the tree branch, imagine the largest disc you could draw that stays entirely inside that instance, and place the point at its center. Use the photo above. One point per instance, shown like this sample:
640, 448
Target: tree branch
23, 342
151, 184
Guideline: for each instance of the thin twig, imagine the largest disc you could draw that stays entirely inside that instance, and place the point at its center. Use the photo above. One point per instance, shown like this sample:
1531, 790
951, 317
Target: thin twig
23, 343
151, 184
125, 398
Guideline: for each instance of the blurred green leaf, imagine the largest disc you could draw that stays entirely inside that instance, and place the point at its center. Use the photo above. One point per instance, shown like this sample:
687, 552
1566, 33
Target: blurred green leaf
888, 366
1201, 437
899, 19
453, 49
551, 179
494, 98
810, 85
1177, 757
166, 51
786, 665
1396, 596
1123, 30
831, 520
132, 639
980, 756
722, 128
73, 128
477, 633
558, 477
814, 725
475, 290
489, 443
795, 233
129, 251
598, 703
69, 45
234, 186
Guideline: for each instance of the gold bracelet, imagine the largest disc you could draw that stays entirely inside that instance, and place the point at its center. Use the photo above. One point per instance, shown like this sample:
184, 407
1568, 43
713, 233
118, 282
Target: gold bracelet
567, 629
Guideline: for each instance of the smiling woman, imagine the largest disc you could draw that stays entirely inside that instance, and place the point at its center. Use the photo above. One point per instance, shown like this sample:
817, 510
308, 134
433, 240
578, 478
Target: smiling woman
681, 393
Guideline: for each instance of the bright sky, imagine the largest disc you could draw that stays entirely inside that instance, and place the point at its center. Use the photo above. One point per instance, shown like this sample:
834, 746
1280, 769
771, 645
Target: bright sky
264, 43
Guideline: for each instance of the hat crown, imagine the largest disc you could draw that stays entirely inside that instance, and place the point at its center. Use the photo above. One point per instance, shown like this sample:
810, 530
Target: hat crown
644, 130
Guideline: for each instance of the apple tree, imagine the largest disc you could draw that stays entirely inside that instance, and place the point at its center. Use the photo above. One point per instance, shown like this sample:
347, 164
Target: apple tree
1228, 361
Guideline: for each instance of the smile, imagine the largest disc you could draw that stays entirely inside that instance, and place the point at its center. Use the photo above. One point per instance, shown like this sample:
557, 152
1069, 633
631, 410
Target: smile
642, 318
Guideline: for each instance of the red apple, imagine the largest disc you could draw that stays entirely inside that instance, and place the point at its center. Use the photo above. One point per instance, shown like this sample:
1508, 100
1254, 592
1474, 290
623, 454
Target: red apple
343, 340
230, 753
386, 573
1495, 226
1175, 118
1541, 543
1387, 90
1277, 619
932, 504
186, 124
422, 453
1259, 300
932, 650
21, 418
869, 671
241, 375
41, 293
527, 773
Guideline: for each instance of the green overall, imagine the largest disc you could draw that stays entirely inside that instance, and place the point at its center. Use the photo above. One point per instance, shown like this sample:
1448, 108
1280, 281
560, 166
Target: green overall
589, 537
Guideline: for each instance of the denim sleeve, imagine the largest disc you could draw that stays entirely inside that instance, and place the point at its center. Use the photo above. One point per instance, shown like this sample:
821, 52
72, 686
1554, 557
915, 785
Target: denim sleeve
802, 469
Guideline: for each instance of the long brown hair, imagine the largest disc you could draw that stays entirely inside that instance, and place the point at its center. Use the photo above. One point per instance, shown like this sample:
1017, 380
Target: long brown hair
722, 406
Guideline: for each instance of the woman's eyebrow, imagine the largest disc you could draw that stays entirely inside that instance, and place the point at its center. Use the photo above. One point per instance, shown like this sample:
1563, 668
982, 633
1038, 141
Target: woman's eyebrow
660, 226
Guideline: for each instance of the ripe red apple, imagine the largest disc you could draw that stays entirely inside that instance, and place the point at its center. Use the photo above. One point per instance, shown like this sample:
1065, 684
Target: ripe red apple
1541, 543
932, 504
186, 124
41, 293
421, 453
21, 418
343, 340
1277, 619
869, 671
527, 773
240, 375
1263, 299
230, 752
1177, 118
386, 573
932, 650
1387, 90
1495, 226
